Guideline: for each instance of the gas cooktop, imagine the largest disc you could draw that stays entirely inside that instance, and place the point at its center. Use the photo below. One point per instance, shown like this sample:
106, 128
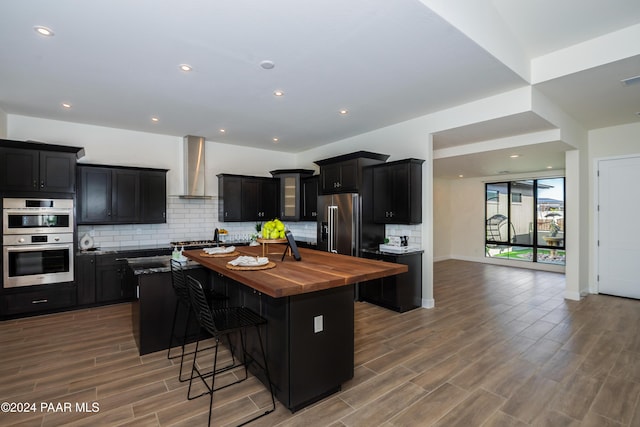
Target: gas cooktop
193, 243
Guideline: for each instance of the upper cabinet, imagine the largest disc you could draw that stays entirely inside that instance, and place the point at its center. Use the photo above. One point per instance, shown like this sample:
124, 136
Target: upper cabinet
309, 197
153, 192
259, 199
291, 201
397, 192
121, 195
343, 174
28, 170
247, 198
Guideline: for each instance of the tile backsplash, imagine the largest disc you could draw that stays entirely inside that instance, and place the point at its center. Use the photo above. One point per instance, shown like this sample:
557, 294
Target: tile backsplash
196, 219
187, 219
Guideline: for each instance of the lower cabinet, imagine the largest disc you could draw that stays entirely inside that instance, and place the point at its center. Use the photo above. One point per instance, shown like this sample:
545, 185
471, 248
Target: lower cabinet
38, 299
86, 278
105, 278
401, 292
110, 283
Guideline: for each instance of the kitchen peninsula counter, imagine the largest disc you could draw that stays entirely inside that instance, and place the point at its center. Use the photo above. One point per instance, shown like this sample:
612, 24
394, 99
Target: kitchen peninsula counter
309, 308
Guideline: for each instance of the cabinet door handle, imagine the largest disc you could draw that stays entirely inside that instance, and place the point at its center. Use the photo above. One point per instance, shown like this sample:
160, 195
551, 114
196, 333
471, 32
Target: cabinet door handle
41, 184
39, 301
35, 184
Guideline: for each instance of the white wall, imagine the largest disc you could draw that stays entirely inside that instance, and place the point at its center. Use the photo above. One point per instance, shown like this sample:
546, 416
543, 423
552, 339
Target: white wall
3, 124
441, 219
617, 141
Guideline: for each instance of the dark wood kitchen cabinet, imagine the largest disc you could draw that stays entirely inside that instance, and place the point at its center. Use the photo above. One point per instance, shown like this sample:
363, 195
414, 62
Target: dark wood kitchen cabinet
110, 275
291, 192
309, 197
38, 299
85, 276
247, 198
397, 192
121, 195
153, 190
259, 199
104, 278
33, 170
401, 292
229, 192
343, 174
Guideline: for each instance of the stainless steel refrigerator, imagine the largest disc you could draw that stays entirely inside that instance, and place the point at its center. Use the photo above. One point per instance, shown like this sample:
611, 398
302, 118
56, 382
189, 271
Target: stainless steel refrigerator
345, 225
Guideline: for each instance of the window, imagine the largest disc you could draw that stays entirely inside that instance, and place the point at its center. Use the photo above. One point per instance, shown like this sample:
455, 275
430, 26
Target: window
525, 220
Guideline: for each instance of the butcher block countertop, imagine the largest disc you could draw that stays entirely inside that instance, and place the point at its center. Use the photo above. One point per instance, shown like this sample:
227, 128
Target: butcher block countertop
316, 271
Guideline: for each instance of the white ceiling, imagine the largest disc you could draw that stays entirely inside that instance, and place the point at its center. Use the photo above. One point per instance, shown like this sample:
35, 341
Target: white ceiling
116, 62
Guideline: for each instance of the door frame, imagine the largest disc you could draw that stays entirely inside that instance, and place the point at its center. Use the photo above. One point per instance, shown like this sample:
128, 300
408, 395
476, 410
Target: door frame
594, 286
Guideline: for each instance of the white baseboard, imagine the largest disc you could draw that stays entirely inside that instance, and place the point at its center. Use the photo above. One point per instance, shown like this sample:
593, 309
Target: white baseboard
428, 303
572, 295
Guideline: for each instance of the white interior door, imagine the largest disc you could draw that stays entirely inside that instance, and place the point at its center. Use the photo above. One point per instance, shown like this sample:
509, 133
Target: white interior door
619, 227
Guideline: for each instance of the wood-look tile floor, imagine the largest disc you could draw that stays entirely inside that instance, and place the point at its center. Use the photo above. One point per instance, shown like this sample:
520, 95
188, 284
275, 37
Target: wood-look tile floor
501, 348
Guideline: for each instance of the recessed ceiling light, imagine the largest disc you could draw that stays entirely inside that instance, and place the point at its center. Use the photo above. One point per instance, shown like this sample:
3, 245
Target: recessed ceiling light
155, 119
460, 176
514, 156
278, 93
549, 167
630, 81
66, 105
223, 130
344, 112
186, 67
267, 64
275, 140
43, 31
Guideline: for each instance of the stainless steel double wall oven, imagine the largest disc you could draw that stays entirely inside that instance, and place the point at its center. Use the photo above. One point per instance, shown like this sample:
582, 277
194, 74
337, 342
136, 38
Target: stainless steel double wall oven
37, 241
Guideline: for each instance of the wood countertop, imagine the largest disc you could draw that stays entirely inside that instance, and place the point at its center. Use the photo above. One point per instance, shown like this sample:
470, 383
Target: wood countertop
316, 271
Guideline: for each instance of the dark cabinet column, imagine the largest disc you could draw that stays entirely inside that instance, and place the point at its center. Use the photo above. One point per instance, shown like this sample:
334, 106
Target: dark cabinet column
229, 192
125, 196
309, 199
397, 192
86, 279
153, 190
94, 195
57, 172
21, 169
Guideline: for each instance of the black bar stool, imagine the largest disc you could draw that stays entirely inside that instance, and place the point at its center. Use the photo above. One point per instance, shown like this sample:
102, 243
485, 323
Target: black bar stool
183, 303
221, 322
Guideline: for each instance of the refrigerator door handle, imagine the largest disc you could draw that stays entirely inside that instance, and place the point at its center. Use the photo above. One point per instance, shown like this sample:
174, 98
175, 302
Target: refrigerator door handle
331, 214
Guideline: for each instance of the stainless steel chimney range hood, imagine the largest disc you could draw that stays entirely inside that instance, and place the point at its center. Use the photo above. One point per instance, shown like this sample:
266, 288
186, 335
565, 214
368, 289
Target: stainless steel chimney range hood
194, 168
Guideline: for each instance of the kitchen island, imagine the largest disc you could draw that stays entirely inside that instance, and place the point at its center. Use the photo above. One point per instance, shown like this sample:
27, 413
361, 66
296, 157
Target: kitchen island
308, 305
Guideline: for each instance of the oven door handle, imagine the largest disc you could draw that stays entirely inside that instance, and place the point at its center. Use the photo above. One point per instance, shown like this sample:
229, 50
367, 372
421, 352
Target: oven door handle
35, 248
